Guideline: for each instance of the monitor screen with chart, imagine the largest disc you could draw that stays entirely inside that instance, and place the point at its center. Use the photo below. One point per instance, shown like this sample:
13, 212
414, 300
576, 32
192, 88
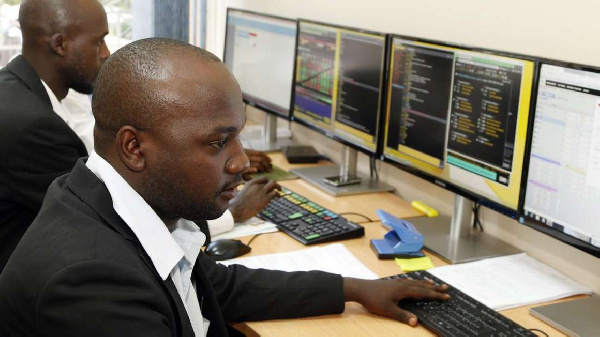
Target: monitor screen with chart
339, 82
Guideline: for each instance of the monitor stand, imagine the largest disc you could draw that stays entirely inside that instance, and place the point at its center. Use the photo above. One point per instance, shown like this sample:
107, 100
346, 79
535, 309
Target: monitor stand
267, 141
580, 317
455, 241
347, 171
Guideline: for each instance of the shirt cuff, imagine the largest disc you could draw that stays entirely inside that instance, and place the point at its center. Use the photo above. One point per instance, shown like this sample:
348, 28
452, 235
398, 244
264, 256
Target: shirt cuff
221, 225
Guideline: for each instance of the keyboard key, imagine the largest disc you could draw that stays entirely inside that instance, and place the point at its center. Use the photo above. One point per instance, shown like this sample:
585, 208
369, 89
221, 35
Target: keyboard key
312, 236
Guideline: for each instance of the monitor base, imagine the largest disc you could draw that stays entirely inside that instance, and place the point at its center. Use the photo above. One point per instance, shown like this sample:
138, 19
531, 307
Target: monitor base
580, 317
314, 175
464, 248
266, 138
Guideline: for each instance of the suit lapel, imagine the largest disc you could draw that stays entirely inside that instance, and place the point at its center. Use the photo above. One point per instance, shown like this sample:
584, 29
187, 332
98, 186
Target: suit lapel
185, 326
208, 300
93, 192
23, 70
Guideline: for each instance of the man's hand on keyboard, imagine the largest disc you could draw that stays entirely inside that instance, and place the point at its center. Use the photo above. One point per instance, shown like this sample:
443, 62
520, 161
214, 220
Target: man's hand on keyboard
381, 297
255, 195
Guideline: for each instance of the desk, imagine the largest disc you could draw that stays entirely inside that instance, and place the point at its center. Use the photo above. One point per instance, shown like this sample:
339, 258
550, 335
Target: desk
355, 320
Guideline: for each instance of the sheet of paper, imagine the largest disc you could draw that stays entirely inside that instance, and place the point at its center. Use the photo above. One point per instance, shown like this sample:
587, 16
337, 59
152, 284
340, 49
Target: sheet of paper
509, 281
417, 263
252, 226
334, 258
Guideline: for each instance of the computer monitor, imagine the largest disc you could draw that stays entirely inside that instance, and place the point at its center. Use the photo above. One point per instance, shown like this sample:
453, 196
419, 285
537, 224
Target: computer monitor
563, 183
458, 117
562, 191
338, 91
260, 52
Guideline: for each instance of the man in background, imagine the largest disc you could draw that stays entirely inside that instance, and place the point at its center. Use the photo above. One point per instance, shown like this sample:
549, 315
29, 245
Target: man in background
63, 48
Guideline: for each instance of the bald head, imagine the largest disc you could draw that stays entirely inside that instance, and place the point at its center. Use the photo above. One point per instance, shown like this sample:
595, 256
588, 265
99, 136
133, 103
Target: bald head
40, 19
63, 40
131, 88
168, 117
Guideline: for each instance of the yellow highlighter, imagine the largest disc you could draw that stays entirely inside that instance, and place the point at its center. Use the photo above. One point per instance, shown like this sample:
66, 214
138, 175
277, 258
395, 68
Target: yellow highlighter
421, 206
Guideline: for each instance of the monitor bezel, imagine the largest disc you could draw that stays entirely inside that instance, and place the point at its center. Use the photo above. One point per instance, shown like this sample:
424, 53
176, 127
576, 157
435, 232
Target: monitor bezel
330, 134
252, 100
538, 225
475, 197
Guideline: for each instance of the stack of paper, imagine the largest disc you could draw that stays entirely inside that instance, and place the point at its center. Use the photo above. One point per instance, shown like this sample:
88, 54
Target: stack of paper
509, 281
334, 258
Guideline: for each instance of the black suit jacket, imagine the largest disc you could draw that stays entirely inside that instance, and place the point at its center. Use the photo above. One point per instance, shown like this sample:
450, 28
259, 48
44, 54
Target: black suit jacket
80, 271
36, 146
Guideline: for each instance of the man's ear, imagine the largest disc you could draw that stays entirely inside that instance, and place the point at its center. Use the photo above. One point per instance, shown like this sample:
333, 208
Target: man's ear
128, 144
58, 44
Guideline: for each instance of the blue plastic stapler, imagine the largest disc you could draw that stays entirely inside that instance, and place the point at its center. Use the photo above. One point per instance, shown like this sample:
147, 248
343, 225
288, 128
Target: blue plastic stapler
403, 239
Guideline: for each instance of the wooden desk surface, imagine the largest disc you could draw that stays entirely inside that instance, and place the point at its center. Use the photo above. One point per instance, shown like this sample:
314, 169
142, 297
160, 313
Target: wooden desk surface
355, 320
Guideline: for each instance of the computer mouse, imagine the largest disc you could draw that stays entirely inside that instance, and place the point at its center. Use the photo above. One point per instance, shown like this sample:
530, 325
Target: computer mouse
225, 249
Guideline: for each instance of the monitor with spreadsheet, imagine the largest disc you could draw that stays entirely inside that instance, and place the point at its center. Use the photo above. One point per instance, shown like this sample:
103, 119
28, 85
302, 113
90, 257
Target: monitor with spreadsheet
563, 182
338, 91
259, 51
458, 117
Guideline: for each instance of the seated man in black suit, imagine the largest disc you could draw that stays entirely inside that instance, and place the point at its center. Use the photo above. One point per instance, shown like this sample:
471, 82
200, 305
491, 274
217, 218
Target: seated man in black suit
111, 254
63, 48
41, 136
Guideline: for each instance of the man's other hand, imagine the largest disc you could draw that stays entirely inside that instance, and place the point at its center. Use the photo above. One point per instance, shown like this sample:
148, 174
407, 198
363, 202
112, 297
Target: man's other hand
255, 195
259, 162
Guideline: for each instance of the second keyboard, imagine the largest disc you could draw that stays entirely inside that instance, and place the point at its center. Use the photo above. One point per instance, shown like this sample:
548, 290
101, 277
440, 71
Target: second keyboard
307, 221
459, 316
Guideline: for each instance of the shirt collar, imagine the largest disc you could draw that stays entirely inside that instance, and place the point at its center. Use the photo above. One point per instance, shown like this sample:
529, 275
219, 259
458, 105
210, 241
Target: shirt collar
190, 238
150, 230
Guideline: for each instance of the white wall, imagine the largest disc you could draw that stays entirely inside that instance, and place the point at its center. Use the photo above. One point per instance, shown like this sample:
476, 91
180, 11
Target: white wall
565, 30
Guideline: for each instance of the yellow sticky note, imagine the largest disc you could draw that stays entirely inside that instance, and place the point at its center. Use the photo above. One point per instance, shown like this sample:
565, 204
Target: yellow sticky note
418, 263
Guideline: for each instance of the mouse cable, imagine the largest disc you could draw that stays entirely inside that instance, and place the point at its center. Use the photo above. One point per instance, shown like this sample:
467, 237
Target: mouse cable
363, 216
252, 239
538, 330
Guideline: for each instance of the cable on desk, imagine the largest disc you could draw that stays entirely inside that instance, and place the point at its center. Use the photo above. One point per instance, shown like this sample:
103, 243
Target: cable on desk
538, 330
477, 216
252, 239
363, 216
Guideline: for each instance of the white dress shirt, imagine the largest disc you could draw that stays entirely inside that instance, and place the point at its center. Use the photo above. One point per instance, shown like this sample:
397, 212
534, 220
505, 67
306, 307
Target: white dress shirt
76, 110
173, 251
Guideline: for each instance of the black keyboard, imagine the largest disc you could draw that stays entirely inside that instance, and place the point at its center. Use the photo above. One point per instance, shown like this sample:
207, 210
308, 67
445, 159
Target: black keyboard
461, 315
307, 221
